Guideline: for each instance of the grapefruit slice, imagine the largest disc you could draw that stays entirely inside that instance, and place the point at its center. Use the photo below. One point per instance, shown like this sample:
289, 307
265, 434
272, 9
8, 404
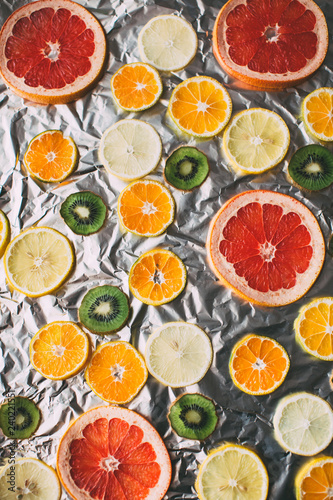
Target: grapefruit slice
270, 43
267, 246
52, 51
112, 453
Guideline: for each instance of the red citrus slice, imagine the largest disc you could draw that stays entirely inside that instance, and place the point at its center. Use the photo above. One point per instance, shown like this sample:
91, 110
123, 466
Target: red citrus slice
267, 246
270, 43
52, 51
112, 453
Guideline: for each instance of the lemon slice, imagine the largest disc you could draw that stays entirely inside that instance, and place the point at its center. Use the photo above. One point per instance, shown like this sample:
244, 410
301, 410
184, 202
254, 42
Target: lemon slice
38, 261
32, 479
317, 112
178, 354
168, 43
255, 141
4, 232
232, 472
303, 424
130, 149
314, 481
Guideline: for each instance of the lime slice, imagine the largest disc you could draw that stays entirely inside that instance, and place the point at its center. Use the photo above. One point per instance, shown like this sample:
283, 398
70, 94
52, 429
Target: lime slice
178, 354
4, 232
303, 424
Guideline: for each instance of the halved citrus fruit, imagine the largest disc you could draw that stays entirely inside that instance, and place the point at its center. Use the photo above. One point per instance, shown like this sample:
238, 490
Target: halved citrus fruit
116, 372
317, 111
258, 365
200, 106
38, 261
4, 232
136, 86
50, 156
314, 328
267, 246
59, 350
51, 52
314, 481
270, 43
157, 277
112, 453
146, 208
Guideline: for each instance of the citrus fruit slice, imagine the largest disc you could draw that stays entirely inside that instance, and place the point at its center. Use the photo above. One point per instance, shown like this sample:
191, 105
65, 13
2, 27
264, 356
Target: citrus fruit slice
51, 52
32, 478
112, 453
231, 472
317, 111
168, 43
258, 365
146, 208
267, 246
157, 277
50, 156
200, 106
59, 350
130, 149
116, 372
314, 328
303, 424
270, 44
38, 261
314, 481
178, 354
4, 232
136, 86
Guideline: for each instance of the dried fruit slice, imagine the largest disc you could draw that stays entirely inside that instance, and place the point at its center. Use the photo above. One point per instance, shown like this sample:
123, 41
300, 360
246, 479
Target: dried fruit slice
267, 246
4, 232
317, 111
51, 52
270, 43
314, 481
113, 453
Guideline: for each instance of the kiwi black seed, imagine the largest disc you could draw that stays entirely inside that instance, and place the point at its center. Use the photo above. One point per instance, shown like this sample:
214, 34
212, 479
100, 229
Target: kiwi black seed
186, 168
193, 416
311, 167
19, 417
104, 309
84, 212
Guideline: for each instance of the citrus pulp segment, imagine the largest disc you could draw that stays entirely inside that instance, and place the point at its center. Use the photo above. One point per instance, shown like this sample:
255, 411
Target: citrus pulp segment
258, 365
317, 111
267, 246
136, 86
314, 481
231, 472
256, 140
157, 277
50, 156
113, 453
116, 372
178, 354
303, 424
52, 51
4, 232
38, 261
146, 208
270, 43
130, 149
59, 350
168, 43
200, 106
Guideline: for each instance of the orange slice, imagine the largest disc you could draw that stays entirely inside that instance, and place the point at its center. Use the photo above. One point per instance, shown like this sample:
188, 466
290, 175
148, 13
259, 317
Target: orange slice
314, 481
116, 372
200, 106
157, 277
317, 110
50, 156
136, 86
146, 208
258, 365
59, 350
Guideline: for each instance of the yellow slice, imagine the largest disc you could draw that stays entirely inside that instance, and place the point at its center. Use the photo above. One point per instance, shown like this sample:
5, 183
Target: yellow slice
4, 232
38, 261
317, 112
314, 481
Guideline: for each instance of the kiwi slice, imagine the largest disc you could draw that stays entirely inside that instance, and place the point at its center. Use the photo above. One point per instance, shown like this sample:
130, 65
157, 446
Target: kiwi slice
104, 309
186, 168
84, 212
193, 416
19, 417
311, 167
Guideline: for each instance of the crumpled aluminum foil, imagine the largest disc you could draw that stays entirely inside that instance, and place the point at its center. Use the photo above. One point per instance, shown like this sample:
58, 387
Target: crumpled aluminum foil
107, 256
